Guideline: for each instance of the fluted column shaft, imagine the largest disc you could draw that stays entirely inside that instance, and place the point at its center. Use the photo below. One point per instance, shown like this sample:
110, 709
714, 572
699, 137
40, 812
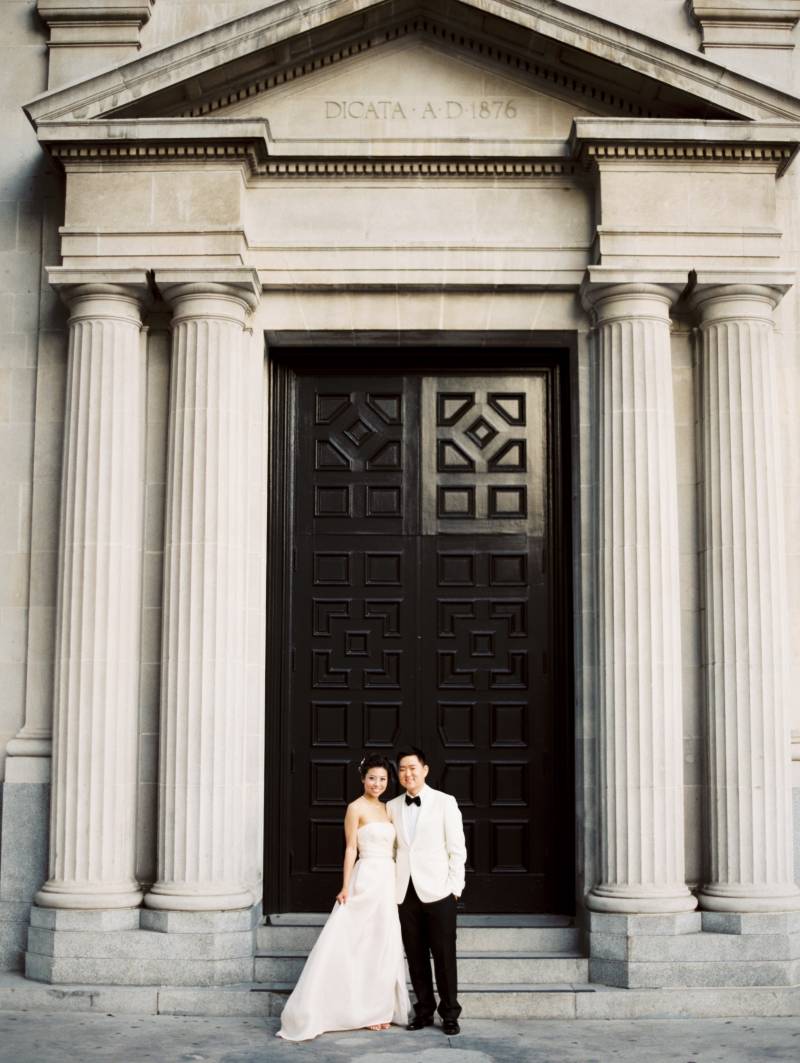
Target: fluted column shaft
92, 850
201, 859
640, 727
746, 615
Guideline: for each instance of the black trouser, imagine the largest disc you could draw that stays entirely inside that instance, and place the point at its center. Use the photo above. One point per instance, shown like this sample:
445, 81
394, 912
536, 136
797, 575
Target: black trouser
430, 929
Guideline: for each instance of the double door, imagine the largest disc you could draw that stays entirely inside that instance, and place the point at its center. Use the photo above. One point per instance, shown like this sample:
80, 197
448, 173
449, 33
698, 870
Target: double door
425, 609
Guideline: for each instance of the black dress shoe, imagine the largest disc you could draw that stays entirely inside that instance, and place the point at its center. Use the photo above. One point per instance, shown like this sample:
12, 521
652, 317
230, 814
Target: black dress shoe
450, 1027
417, 1023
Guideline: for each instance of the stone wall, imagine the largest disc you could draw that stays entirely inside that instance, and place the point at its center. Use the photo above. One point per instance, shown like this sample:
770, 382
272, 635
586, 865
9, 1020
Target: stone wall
32, 363
31, 380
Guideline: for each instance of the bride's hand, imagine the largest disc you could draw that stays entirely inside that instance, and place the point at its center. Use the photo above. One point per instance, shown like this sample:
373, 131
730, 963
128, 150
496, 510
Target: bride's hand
341, 897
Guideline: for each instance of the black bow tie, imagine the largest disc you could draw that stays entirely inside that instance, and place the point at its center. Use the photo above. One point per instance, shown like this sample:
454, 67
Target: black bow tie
413, 801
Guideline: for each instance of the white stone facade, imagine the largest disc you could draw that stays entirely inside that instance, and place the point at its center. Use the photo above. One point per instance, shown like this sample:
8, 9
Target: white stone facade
190, 183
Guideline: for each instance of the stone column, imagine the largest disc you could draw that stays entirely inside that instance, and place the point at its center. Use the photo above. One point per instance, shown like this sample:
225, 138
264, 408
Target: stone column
202, 812
96, 701
750, 810
640, 726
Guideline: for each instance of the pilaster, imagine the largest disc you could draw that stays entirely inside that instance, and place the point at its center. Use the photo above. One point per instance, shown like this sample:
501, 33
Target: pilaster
87, 35
202, 807
755, 36
641, 856
750, 810
95, 711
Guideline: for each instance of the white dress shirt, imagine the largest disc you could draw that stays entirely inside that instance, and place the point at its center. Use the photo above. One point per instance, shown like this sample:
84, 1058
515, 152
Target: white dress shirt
411, 815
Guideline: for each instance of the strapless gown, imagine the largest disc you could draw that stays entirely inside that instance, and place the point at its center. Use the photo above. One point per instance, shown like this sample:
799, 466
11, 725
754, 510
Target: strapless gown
355, 975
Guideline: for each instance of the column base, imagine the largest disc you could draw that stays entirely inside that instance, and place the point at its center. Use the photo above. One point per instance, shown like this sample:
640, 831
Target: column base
694, 950
141, 948
30, 745
177, 897
640, 900
718, 897
62, 895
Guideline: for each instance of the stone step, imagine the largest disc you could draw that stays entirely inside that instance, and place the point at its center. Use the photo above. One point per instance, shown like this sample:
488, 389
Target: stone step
139, 945
689, 948
470, 938
71, 971
474, 968
537, 1001
687, 974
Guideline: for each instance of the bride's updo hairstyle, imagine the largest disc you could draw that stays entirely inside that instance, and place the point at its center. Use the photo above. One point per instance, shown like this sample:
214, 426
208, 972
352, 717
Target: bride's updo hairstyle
375, 760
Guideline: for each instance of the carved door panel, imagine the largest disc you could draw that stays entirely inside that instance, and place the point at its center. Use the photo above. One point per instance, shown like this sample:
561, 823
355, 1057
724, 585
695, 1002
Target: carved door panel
486, 648
422, 613
354, 604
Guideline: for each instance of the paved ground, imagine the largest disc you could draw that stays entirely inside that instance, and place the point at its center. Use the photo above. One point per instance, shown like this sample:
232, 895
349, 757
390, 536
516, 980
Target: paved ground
60, 1038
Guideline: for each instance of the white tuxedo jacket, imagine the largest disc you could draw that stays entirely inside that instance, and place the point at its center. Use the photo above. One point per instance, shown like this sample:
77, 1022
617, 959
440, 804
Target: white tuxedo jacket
435, 860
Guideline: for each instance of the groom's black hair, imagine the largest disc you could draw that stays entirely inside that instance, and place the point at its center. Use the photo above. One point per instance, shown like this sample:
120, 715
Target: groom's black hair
412, 751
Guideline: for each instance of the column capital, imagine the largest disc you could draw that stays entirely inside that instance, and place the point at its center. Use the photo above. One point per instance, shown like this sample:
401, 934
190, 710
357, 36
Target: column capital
234, 284
740, 300
602, 288
78, 285
628, 301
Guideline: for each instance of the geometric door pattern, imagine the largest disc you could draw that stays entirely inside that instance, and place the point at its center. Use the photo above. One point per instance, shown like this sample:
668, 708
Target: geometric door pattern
482, 455
422, 613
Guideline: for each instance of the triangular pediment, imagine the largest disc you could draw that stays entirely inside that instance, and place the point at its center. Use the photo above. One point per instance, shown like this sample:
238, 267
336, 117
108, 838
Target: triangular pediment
382, 69
413, 89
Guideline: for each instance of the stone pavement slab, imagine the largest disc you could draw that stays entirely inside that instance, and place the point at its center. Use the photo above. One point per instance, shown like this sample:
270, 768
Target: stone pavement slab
90, 1038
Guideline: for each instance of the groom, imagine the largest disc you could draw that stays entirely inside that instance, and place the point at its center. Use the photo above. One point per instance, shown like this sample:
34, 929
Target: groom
431, 854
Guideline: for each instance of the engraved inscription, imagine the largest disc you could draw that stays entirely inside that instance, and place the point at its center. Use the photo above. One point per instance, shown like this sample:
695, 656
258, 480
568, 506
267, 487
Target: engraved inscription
357, 109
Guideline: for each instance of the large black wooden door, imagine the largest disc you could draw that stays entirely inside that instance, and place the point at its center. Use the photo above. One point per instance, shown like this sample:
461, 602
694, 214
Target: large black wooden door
425, 565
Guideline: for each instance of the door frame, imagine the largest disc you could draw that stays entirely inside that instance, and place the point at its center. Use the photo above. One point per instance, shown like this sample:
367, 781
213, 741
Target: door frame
452, 353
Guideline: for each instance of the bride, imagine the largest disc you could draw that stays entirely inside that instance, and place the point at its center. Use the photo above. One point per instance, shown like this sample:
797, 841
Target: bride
355, 975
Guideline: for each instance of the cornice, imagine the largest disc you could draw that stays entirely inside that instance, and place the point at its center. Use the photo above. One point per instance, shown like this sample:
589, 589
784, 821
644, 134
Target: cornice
69, 154
248, 141
592, 142
753, 11
77, 11
154, 140
608, 140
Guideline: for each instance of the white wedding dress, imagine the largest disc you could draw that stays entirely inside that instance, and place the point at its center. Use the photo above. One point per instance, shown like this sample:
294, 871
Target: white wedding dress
355, 975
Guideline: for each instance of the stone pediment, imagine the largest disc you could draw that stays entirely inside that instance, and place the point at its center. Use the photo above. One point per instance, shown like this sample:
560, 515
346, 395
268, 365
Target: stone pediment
408, 91
555, 61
